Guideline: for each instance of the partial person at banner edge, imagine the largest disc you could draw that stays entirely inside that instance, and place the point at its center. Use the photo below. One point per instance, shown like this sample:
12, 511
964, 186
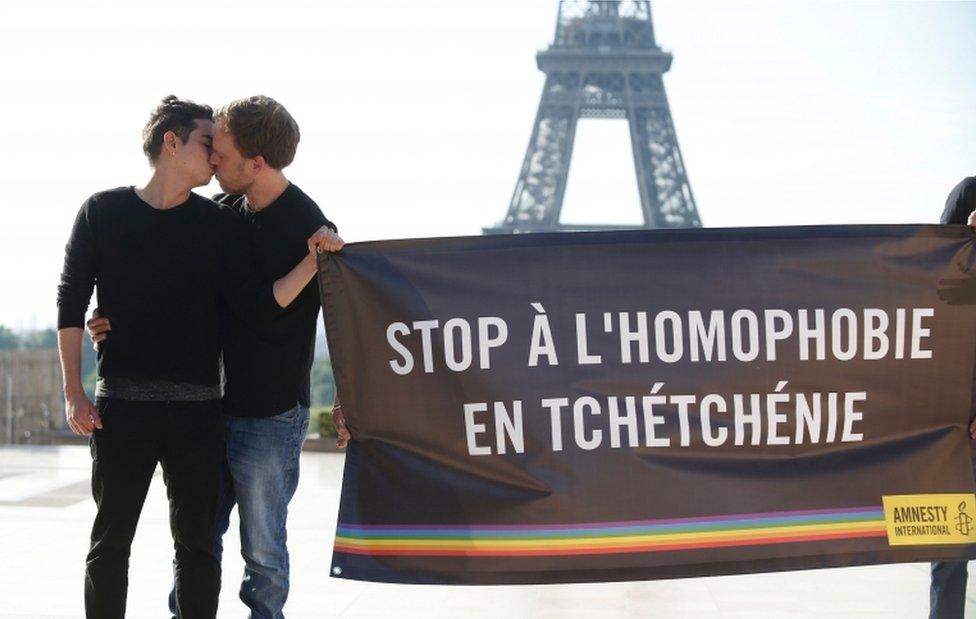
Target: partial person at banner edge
947, 592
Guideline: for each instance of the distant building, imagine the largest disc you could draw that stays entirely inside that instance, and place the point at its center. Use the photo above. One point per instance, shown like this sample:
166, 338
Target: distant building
31, 399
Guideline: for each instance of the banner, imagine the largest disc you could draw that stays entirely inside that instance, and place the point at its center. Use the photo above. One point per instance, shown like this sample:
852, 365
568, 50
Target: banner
653, 404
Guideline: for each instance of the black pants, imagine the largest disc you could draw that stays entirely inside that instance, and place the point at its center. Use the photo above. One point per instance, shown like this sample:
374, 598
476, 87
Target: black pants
187, 438
947, 591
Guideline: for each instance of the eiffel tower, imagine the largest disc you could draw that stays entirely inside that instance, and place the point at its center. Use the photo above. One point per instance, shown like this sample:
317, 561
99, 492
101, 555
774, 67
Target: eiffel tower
603, 63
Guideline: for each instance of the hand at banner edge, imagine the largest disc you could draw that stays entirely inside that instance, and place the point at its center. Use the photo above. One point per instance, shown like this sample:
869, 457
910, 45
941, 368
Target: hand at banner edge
339, 421
325, 239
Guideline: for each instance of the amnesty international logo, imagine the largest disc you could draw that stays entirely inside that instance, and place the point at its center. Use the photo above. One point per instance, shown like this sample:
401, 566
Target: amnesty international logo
964, 522
919, 519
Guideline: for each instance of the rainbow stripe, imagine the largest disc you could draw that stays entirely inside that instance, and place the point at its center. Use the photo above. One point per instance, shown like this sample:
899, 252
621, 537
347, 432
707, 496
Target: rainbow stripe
600, 538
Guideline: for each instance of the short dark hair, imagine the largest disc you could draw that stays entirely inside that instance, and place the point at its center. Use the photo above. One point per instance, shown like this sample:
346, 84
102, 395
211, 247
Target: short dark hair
172, 114
261, 126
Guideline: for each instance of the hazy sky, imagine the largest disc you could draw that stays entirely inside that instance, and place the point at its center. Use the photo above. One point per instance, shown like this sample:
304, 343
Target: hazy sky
415, 115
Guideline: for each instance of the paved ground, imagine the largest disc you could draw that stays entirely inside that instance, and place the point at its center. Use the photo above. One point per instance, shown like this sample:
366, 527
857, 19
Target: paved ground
46, 512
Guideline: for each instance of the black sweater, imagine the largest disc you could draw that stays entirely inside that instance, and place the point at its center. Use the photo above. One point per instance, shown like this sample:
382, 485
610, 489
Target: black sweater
161, 276
267, 363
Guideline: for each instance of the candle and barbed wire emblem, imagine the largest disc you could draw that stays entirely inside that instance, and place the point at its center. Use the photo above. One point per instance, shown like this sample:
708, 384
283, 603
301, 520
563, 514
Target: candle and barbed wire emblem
964, 521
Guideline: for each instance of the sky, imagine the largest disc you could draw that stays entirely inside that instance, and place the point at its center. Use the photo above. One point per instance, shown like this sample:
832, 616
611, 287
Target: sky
415, 116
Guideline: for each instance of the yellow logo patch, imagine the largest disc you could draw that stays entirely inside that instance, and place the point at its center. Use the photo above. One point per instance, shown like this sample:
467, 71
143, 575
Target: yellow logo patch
918, 519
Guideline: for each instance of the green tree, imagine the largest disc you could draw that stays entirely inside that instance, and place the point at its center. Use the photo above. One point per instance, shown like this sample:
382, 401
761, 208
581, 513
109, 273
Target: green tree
323, 382
8, 339
46, 338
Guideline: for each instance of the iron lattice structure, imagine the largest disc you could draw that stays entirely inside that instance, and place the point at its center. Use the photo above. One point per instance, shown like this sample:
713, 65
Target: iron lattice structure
604, 62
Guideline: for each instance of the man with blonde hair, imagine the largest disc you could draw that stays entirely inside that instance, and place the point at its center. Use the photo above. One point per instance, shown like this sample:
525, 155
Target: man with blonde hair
267, 393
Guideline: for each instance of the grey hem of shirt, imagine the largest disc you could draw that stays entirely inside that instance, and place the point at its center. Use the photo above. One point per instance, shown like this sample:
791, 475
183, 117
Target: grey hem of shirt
150, 390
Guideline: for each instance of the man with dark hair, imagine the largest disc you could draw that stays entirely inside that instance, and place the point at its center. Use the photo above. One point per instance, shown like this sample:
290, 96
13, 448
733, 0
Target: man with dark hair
172, 114
947, 592
156, 252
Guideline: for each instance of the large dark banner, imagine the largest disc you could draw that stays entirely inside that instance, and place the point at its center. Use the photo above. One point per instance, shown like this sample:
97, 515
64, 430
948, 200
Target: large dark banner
653, 404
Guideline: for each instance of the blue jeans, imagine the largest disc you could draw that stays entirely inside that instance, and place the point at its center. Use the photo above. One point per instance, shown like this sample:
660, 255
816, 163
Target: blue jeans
260, 476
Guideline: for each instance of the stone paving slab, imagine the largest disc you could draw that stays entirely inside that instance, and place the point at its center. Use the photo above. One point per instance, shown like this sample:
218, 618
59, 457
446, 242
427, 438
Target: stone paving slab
46, 513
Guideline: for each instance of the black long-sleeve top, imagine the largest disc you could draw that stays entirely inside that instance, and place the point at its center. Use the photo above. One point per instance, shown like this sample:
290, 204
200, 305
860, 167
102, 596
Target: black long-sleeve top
267, 363
161, 275
961, 202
